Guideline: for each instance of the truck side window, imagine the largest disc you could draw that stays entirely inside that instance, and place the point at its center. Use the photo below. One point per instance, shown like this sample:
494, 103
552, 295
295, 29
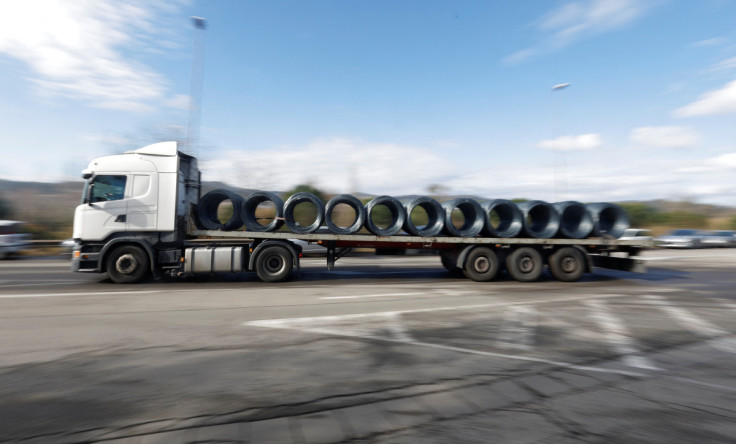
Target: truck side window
107, 188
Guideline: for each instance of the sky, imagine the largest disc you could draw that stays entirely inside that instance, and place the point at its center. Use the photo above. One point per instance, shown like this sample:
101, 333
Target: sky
588, 100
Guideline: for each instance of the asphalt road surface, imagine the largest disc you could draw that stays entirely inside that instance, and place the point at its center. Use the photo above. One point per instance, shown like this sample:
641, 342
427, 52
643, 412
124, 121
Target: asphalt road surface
383, 349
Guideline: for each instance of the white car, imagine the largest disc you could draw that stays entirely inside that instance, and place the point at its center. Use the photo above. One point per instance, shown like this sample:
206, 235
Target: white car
638, 234
682, 238
13, 239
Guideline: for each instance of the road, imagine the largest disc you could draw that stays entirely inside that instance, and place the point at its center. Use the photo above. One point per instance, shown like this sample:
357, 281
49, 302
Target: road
383, 349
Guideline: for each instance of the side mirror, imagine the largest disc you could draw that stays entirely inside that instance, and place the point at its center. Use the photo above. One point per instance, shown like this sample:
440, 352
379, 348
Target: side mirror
88, 194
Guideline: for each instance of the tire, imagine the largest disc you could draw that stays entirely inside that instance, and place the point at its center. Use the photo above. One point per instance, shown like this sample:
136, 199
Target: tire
274, 264
525, 264
481, 264
128, 264
567, 264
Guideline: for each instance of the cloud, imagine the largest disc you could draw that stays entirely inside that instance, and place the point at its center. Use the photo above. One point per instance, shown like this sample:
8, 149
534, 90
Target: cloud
665, 137
711, 42
572, 143
720, 101
724, 65
574, 21
76, 48
724, 161
334, 164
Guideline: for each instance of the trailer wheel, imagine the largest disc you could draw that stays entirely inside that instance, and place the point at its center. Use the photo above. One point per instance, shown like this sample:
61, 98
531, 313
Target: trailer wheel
567, 264
525, 264
274, 264
481, 265
128, 264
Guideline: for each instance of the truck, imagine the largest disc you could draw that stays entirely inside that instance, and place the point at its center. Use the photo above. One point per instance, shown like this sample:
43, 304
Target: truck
136, 221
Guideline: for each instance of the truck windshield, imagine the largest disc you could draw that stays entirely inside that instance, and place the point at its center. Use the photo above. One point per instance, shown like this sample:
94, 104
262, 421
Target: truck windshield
105, 188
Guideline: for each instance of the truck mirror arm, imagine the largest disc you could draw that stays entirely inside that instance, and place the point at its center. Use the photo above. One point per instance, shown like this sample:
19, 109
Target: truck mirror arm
88, 194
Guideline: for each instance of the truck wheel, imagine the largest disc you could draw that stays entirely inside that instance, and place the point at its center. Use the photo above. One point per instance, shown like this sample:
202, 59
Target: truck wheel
481, 265
128, 264
567, 264
274, 264
525, 264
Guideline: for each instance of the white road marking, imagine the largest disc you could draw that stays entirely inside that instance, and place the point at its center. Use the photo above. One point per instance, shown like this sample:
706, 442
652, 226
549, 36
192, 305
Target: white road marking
37, 284
382, 326
618, 337
518, 328
659, 290
695, 324
429, 293
92, 293
382, 323
381, 295
38, 264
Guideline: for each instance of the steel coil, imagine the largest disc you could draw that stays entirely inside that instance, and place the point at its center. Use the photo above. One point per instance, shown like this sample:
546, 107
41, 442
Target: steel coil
395, 209
608, 219
540, 219
435, 216
249, 206
510, 220
473, 220
208, 206
299, 198
575, 220
355, 204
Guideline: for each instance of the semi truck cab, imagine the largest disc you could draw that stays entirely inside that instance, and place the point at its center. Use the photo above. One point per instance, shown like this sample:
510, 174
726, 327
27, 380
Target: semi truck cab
139, 200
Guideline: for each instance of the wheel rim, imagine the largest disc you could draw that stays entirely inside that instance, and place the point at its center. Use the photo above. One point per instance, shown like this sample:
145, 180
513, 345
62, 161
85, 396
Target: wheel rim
569, 264
274, 264
126, 264
526, 264
482, 264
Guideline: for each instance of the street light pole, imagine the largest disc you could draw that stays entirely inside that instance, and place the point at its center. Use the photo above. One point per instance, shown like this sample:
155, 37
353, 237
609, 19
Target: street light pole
555, 161
195, 88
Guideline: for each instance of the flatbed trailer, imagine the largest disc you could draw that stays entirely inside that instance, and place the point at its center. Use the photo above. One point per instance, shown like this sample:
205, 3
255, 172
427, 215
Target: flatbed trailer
578, 255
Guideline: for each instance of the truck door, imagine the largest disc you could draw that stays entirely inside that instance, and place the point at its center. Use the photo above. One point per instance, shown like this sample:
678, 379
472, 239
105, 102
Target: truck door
107, 209
143, 203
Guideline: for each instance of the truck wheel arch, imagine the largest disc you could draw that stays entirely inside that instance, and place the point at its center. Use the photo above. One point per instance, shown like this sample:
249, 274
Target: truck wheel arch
463, 255
113, 244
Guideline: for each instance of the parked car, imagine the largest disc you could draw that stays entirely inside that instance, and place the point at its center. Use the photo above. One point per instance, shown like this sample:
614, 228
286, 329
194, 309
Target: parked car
682, 238
13, 238
721, 238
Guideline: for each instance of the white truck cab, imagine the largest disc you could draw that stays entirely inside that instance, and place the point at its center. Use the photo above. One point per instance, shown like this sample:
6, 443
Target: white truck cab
133, 191
139, 198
